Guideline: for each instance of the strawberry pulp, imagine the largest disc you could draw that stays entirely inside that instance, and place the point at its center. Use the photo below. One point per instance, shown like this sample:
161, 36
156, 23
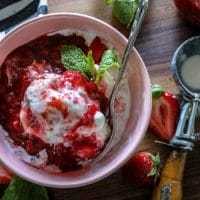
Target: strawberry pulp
24, 67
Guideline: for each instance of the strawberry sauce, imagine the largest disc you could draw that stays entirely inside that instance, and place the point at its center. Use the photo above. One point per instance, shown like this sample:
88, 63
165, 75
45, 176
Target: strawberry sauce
54, 115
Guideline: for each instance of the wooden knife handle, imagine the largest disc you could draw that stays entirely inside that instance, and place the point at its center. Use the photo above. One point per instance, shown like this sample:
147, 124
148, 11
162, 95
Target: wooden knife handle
169, 186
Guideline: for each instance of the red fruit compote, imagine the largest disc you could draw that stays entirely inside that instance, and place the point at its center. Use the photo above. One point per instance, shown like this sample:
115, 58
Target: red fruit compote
56, 119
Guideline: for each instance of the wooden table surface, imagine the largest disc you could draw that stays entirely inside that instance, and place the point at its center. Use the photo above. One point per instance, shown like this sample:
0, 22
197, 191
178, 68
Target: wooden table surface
162, 32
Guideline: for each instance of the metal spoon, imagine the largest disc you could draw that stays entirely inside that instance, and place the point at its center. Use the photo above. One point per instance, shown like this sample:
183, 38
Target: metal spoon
139, 16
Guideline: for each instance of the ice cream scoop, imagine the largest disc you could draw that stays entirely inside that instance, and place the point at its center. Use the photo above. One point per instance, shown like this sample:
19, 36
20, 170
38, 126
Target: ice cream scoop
186, 73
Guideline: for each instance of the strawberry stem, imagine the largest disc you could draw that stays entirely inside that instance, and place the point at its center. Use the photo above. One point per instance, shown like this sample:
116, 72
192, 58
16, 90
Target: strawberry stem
155, 171
157, 91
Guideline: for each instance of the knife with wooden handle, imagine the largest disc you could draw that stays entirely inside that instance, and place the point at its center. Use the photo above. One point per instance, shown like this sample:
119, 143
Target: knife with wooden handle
169, 186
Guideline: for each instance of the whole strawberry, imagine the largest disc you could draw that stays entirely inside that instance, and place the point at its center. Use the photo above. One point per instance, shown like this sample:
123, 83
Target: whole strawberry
5, 176
142, 169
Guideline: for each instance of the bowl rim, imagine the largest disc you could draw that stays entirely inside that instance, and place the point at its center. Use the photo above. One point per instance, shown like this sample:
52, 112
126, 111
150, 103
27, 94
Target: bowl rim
147, 105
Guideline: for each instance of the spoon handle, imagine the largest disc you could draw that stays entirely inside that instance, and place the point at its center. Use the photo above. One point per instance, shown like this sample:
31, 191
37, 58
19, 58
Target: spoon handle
139, 17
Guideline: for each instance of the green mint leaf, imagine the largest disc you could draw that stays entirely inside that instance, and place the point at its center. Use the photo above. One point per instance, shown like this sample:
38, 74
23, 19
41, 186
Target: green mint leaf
108, 2
20, 189
109, 59
73, 58
90, 63
124, 10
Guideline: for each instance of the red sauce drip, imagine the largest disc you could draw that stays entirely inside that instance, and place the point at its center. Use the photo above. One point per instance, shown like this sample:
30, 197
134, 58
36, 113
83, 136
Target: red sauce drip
58, 105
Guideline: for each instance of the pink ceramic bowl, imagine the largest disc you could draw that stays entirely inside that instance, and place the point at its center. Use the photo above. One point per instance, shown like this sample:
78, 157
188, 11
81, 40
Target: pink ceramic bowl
132, 121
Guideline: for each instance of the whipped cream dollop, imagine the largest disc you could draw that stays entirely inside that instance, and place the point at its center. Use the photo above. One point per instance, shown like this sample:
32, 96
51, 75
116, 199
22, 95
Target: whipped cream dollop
52, 108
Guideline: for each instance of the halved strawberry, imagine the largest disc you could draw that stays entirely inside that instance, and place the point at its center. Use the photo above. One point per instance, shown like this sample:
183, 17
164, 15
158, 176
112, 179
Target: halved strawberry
5, 176
165, 111
97, 48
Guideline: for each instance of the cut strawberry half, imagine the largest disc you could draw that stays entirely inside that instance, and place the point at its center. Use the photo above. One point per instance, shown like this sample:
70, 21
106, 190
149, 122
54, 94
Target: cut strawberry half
97, 48
5, 176
165, 111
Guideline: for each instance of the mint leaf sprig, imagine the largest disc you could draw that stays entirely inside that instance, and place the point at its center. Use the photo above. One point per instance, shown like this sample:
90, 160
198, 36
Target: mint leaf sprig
108, 60
108, 2
20, 189
73, 58
124, 10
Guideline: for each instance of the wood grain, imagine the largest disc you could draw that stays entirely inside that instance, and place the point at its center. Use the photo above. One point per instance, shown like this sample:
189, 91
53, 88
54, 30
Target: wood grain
162, 32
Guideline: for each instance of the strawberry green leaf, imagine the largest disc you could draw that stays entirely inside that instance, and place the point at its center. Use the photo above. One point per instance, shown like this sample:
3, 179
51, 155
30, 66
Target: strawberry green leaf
155, 171
20, 189
157, 91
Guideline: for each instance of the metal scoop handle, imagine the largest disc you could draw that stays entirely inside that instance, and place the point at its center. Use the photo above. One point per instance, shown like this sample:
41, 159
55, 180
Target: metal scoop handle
169, 186
185, 133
